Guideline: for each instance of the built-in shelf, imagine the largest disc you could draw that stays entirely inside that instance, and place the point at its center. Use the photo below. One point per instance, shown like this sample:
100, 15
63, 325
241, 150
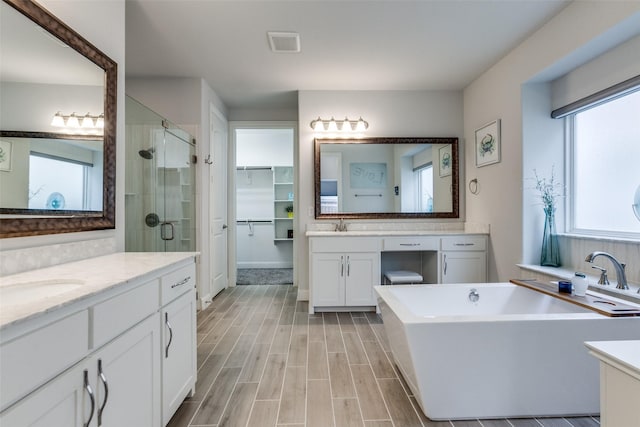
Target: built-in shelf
283, 197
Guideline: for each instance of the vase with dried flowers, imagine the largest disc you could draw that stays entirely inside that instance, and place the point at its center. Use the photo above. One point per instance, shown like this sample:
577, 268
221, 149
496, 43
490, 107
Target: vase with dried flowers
549, 191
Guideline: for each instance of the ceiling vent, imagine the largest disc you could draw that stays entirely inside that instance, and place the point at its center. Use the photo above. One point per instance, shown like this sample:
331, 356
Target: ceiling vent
281, 42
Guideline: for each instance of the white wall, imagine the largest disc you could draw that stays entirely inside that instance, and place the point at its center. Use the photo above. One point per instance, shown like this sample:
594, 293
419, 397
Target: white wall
103, 24
576, 35
390, 114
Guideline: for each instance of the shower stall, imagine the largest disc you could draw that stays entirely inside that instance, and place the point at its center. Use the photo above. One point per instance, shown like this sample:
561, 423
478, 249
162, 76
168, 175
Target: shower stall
159, 183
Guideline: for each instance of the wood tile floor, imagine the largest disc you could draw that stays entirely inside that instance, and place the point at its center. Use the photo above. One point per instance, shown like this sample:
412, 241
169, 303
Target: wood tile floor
264, 361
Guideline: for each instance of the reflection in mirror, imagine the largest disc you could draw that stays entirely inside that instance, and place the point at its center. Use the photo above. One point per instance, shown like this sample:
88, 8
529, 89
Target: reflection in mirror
46, 68
386, 178
51, 172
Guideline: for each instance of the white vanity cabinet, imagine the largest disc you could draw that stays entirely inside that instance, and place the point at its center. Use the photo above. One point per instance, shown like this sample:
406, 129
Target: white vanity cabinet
178, 316
344, 271
463, 259
102, 360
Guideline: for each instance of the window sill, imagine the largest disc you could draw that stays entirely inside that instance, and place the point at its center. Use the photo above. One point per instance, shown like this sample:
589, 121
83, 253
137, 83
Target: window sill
611, 239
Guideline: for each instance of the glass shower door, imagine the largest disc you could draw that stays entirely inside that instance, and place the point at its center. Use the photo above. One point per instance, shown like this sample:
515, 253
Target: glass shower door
159, 183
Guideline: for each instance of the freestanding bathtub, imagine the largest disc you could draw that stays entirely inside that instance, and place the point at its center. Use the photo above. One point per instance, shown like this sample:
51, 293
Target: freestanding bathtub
513, 352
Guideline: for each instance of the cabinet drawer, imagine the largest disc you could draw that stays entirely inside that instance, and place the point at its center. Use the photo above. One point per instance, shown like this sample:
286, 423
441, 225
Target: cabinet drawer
416, 243
464, 243
31, 360
344, 244
176, 283
116, 315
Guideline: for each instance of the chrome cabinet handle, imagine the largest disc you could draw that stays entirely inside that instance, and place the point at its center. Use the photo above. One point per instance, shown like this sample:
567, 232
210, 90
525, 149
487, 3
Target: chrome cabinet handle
182, 282
444, 261
348, 265
103, 378
341, 266
463, 244
166, 322
409, 244
89, 390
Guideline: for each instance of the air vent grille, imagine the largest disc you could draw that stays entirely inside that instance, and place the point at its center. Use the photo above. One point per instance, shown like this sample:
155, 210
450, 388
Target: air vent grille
284, 42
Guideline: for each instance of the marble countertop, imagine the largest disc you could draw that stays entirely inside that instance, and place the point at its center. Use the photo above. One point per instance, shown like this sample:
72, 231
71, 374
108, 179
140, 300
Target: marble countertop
391, 233
29, 294
625, 353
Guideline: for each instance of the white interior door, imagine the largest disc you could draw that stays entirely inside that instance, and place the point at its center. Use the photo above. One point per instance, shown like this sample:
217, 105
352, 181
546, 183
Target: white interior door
218, 203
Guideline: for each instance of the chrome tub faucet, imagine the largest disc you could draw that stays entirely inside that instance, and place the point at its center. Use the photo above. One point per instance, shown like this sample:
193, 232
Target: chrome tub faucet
619, 266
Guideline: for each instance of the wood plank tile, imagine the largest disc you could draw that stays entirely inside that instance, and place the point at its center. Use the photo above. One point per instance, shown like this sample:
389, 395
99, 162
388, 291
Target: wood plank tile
254, 365
332, 333
526, 422
379, 363
301, 323
380, 424
371, 401
553, 422
400, 408
467, 423
275, 310
302, 306
426, 422
228, 341
264, 413
216, 333
294, 396
255, 323
281, 339
240, 351
582, 422
267, 330
319, 409
210, 321
243, 316
363, 328
288, 312
340, 376
355, 350
381, 334
270, 386
316, 329
207, 375
202, 352
298, 351
183, 415
237, 412
500, 423
346, 323
317, 360
215, 401
347, 413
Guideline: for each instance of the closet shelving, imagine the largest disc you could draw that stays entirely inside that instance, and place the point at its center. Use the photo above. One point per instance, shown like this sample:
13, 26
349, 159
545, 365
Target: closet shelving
282, 198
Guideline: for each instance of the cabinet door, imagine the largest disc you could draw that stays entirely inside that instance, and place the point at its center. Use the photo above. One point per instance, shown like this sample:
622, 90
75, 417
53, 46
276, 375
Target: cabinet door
131, 368
361, 275
62, 402
327, 278
463, 267
178, 353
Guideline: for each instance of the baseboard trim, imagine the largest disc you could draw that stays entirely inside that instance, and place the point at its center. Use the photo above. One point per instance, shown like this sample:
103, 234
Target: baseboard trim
303, 295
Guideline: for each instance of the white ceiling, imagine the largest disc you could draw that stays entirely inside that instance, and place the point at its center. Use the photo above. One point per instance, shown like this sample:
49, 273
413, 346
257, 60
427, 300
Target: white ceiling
346, 45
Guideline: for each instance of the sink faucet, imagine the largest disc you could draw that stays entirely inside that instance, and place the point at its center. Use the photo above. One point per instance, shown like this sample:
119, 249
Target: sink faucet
342, 226
619, 266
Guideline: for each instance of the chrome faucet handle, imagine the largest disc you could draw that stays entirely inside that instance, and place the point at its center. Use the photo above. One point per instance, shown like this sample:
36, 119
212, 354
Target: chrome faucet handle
604, 280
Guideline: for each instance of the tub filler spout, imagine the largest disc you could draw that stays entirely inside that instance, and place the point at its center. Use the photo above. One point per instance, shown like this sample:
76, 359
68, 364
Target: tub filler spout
619, 266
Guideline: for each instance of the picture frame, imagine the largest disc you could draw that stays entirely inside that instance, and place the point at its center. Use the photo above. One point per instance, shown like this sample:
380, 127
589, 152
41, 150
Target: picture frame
487, 144
444, 161
5, 155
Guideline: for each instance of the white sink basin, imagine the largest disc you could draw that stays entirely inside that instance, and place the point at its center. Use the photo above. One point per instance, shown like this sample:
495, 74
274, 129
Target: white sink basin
24, 293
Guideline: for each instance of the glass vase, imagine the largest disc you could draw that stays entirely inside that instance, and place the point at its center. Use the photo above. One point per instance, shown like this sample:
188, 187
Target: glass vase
550, 254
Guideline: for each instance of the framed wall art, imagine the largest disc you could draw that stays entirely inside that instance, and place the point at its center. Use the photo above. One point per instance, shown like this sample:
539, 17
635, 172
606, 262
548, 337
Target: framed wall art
488, 144
5, 155
444, 161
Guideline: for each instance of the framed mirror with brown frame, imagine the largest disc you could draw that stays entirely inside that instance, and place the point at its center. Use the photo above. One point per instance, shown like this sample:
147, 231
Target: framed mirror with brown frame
375, 178
56, 176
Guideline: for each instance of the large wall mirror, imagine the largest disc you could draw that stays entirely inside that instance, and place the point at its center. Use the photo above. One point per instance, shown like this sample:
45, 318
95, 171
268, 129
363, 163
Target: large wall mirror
57, 126
386, 178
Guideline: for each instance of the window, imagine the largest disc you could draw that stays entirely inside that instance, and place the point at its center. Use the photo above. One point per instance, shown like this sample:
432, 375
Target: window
424, 177
604, 165
56, 184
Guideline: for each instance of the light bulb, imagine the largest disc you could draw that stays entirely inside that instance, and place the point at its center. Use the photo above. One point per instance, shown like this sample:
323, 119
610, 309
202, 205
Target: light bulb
333, 126
346, 125
87, 122
100, 121
72, 121
362, 125
58, 120
318, 126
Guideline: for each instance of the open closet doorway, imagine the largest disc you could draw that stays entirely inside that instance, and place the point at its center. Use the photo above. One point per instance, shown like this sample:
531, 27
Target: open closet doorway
264, 203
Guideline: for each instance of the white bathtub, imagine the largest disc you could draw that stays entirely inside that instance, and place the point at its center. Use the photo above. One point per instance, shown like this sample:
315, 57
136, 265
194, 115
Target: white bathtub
513, 353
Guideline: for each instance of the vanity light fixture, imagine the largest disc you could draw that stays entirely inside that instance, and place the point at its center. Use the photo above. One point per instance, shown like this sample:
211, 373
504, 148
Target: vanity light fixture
333, 125
87, 122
